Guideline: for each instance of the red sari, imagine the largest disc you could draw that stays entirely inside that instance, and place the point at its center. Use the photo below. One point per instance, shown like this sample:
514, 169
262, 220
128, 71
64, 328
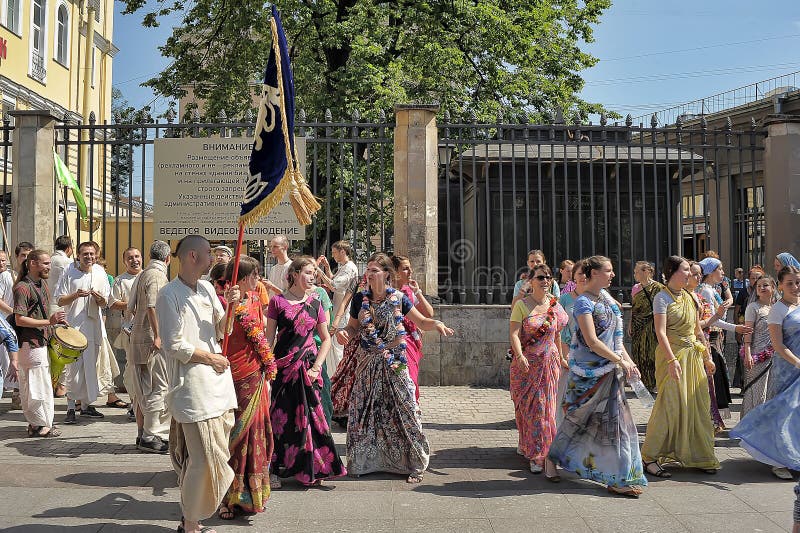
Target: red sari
413, 344
251, 437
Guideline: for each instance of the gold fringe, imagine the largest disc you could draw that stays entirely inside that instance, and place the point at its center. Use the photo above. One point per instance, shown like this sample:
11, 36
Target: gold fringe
303, 201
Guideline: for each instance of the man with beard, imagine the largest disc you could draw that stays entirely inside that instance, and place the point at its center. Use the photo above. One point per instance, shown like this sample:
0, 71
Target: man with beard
31, 299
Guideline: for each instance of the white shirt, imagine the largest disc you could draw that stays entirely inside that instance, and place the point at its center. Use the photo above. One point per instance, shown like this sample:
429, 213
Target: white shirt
73, 279
6, 288
189, 320
58, 264
778, 312
120, 292
277, 274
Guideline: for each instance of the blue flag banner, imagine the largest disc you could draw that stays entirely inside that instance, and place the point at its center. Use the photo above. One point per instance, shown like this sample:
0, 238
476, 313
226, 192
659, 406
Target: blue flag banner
274, 170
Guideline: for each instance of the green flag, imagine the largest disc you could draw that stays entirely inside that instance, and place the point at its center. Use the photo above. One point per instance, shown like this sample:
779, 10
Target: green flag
66, 179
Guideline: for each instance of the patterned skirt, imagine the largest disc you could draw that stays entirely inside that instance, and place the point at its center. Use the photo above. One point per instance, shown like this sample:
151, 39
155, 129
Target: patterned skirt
384, 429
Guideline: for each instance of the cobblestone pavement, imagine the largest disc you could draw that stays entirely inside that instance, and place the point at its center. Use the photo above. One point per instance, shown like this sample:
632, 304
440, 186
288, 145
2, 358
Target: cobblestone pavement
93, 479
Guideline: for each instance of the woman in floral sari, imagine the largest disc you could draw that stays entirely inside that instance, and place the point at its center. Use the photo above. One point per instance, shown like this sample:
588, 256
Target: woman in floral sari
304, 446
384, 429
252, 368
771, 431
534, 326
597, 439
680, 427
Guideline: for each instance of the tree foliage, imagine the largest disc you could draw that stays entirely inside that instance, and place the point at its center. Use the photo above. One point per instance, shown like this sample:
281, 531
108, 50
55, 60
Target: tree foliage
480, 56
122, 154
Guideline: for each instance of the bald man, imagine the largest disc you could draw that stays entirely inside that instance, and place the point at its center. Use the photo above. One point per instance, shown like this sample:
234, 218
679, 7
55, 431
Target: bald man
201, 397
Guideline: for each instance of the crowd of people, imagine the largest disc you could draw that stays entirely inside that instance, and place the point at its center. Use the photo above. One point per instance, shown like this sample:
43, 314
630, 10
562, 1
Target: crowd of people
569, 367
238, 382
239, 377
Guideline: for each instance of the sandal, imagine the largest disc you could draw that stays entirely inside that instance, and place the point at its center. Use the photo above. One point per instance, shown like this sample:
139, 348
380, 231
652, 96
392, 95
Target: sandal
709, 470
658, 473
414, 477
118, 403
52, 432
32, 431
629, 492
226, 513
274, 482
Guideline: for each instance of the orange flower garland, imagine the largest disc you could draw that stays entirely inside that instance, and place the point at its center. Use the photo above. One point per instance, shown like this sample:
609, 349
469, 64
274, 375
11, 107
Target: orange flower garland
255, 334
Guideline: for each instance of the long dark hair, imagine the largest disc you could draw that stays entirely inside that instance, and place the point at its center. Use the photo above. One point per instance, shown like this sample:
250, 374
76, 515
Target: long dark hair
24, 268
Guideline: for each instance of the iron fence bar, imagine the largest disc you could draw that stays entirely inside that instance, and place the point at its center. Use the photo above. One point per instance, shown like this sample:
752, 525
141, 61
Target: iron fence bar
692, 203
501, 212
514, 196
592, 212
104, 174
489, 294
568, 252
355, 186
618, 205
657, 245
144, 167
476, 295
644, 201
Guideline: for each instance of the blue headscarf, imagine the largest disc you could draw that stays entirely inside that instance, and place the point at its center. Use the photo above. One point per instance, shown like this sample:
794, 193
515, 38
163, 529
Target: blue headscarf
709, 265
788, 259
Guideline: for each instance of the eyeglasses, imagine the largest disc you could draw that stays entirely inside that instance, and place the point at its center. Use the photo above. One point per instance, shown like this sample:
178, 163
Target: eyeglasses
541, 277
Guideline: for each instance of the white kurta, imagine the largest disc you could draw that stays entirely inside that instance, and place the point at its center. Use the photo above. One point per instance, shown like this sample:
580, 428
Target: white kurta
92, 375
344, 283
117, 320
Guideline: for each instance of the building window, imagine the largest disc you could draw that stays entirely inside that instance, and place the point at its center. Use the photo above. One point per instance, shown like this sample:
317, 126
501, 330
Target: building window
12, 15
62, 42
38, 69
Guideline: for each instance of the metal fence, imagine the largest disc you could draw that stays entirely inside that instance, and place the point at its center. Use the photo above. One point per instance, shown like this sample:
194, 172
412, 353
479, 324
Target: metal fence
572, 190
348, 165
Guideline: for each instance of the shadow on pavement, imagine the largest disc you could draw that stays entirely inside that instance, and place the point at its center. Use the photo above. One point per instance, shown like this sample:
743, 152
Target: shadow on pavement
71, 447
103, 526
118, 506
158, 480
502, 425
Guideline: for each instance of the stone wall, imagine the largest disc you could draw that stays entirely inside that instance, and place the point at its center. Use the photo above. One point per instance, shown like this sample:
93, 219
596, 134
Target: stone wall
476, 354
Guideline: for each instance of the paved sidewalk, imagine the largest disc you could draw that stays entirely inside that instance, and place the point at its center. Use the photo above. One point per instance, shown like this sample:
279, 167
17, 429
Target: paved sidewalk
93, 479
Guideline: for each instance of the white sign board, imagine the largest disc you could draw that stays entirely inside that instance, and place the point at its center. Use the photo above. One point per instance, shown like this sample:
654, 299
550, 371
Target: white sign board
694, 229
198, 185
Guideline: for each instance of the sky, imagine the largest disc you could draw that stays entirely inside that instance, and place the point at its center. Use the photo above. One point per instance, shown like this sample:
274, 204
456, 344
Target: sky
652, 55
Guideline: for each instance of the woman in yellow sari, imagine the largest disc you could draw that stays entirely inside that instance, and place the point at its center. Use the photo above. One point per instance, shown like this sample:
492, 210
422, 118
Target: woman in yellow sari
680, 428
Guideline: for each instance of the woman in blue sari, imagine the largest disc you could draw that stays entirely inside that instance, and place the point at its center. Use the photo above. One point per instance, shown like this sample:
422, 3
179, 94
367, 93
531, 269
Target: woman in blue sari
598, 439
771, 431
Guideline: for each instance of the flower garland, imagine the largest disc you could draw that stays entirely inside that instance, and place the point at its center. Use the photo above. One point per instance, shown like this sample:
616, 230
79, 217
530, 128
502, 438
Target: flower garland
255, 334
395, 355
548, 322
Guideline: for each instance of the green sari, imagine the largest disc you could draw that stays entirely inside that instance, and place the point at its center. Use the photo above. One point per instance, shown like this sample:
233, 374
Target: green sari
325, 393
643, 333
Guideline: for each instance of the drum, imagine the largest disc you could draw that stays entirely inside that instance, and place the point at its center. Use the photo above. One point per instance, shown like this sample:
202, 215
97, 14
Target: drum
66, 346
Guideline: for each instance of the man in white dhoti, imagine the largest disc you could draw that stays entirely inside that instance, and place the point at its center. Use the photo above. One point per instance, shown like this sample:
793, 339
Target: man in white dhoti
119, 320
201, 397
83, 292
31, 300
148, 368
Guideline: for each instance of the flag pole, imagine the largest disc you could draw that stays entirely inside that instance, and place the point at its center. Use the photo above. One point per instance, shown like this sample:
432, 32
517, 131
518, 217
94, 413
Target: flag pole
234, 280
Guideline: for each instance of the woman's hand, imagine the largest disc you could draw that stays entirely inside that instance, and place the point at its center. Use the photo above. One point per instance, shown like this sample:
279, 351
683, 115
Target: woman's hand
12, 371
722, 309
565, 363
232, 295
413, 285
443, 330
313, 373
342, 337
675, 370
748, 361
743, 329
710, 366
627, 367
522, 361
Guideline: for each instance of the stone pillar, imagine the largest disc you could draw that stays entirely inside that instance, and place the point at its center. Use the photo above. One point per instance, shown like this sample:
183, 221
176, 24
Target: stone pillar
416, 195
782, 186
33, 188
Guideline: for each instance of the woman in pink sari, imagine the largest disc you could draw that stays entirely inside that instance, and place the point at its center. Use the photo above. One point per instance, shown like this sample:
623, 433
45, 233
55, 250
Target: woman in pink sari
408, 286
536, 321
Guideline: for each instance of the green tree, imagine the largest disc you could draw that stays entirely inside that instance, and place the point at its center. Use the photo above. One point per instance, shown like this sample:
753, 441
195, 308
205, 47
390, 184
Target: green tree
122, 154
469, 55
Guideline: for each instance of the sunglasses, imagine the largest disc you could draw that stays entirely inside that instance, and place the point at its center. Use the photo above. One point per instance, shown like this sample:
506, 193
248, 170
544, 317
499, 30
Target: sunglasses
541, 277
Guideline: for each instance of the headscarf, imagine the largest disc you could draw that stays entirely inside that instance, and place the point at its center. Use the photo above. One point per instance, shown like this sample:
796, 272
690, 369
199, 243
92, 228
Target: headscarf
709, 265
788, 259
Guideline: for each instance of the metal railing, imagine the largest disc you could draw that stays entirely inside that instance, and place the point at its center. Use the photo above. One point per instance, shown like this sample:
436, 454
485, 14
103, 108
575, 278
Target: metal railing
578, 190
348, 166
726, 101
